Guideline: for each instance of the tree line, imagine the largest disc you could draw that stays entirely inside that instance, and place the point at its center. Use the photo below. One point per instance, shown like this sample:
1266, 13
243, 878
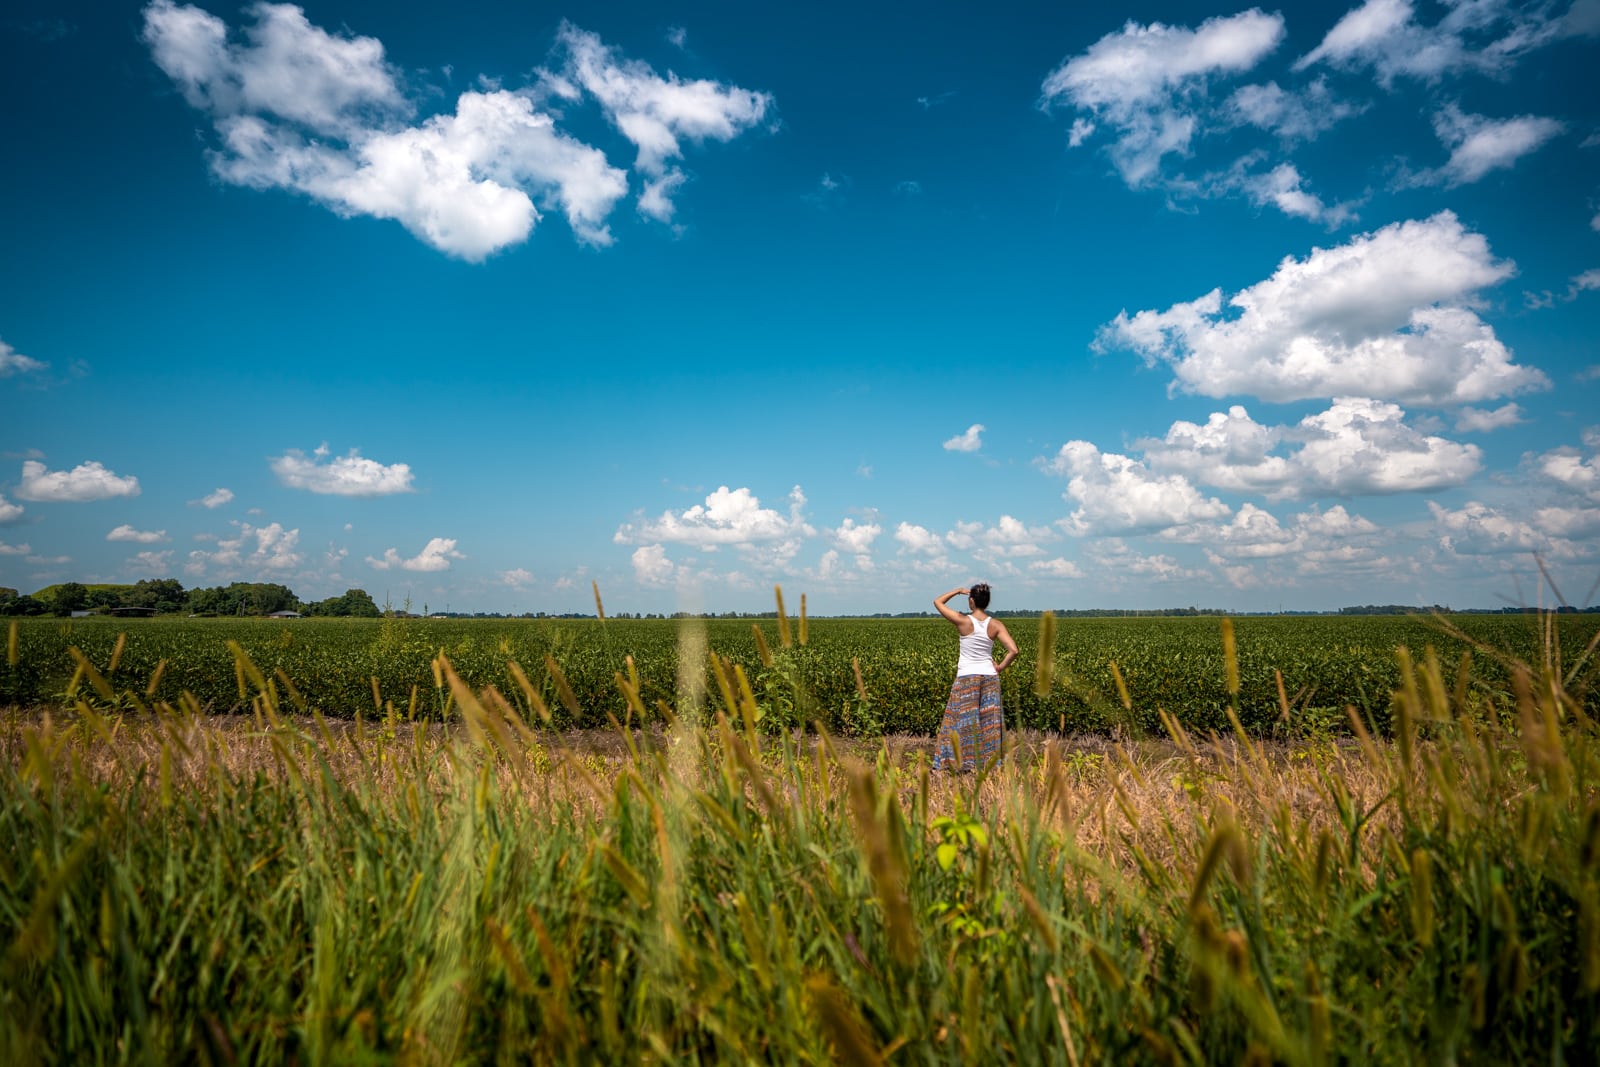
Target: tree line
167, 596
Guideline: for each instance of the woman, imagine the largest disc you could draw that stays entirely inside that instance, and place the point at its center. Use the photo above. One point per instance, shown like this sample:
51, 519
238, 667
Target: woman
974, 725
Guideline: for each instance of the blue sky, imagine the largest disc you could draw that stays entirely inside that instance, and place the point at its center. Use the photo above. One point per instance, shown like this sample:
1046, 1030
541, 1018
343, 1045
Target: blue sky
1189, 304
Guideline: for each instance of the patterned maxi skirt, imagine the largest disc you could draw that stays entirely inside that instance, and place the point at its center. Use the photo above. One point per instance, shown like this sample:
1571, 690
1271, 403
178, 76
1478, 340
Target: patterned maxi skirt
973, 719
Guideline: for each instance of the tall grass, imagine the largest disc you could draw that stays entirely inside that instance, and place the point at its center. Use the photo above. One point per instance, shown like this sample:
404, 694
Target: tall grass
276, 888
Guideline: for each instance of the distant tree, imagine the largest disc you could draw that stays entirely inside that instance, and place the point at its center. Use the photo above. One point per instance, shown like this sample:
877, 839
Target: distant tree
70, 597
243, 598
166, 595
355, 603
104, 597
23, 605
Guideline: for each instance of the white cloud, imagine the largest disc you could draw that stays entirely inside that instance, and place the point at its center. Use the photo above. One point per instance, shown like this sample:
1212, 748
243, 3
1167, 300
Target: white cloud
14, 550
1479, 144
1253, 533
151, 562
435, 556
143, 537
1282, 187
657, 114
48, 561
728, 517
1478, 529
1356, 446
517, 578
918, 540
1231, 451
1141, 81
1289, 115
1113, 561
1568, 468
1363, 446
968, 440
1010, 538
651, 567
1485, 36
350, 475
1571, 524
14, 362
85, 482
1384, 315
1477, 420
1582, 283
1056, 568
1117, 493
274, 550
297, 108
215, 499
855, 538
9, 512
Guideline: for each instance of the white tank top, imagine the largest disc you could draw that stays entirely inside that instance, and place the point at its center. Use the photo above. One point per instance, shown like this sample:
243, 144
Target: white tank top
977, 651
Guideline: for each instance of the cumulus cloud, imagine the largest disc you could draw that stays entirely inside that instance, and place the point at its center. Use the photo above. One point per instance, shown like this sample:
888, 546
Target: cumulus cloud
918, 540
1357, 446
1253, 533
1364, 446
969, 440
1010, 538
728, 517
855, 538
269, 548
435, 556
517, 578
126, 532
85, 482
297, 108
9, 512
1478, 420
14, 362
1118, 494
1056, 568
1479, 144
1115, 562
1486, 37
1231, 451
326, 115
150, 562
348, 475
1480, 530
14, 550
1142, 82
651, 567
1569, 468
215, 499
1384, 315
657, 114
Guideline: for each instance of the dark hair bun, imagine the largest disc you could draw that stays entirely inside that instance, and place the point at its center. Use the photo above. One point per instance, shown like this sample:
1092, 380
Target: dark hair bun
978, 596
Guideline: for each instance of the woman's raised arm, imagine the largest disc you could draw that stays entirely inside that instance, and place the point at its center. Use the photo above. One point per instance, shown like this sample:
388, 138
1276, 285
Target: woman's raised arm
945, 609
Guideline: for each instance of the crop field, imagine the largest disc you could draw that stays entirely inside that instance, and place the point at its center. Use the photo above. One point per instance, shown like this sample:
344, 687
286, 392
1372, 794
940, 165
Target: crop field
344, 668
461, 877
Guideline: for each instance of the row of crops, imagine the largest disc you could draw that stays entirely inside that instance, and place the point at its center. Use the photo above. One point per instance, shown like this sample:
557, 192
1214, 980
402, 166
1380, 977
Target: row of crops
349, 667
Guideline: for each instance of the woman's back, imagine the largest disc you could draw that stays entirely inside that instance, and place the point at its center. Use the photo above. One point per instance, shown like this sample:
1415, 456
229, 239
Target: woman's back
977, 650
